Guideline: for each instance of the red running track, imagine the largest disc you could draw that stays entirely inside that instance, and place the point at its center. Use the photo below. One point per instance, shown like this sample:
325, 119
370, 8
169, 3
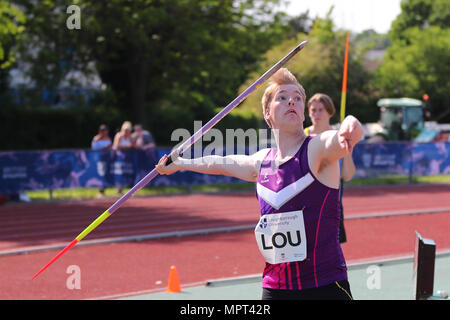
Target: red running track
114, 269
25, 226
31, 225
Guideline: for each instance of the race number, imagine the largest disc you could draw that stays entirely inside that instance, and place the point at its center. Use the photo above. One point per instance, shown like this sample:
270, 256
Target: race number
281, 237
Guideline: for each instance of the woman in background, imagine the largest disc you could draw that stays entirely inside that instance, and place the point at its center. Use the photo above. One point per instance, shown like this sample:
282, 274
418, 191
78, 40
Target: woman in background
123, 138
101, 141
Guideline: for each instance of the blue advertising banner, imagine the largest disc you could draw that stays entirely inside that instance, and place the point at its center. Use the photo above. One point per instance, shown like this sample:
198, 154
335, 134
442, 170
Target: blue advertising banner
389, 158
431, 158
381, 159
39, 170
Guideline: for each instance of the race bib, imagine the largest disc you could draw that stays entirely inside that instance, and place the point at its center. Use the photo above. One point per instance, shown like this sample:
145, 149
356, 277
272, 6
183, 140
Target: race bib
281, 237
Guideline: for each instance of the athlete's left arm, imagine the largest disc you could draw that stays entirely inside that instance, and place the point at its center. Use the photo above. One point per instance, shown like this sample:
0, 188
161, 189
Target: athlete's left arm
348, 168
332, 145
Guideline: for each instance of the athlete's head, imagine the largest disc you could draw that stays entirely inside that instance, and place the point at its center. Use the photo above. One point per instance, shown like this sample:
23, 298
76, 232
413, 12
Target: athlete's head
285, 91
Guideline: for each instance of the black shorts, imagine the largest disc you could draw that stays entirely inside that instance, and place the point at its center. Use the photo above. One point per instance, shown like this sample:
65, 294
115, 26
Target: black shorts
339, 290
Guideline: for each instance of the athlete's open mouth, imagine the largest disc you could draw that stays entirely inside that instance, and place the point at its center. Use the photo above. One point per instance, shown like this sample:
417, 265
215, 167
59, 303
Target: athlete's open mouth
291, 111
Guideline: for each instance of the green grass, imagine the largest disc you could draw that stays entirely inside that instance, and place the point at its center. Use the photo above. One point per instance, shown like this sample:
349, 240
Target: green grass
90, 193
392, 180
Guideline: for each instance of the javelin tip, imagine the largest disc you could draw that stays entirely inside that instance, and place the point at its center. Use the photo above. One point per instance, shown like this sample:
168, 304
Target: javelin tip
70, 245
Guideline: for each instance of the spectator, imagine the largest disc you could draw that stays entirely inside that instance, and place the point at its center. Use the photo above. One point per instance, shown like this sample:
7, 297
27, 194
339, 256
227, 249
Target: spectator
148, 158
123, 141
102, 140
142, 138
123, 138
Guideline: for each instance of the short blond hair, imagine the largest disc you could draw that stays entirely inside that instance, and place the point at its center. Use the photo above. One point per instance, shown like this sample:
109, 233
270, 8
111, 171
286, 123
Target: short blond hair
126, 126
325, 100
279, 78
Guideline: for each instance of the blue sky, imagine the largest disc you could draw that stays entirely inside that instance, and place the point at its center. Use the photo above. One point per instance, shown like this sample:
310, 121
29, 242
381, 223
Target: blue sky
355, 15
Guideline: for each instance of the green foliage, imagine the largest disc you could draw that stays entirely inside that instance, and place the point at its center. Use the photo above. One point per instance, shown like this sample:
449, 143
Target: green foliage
417, 66
418, 61
157, 54
48, 48
319, 68
90, 193
370, 39
421, 14
11, 26
166, 63
45, 128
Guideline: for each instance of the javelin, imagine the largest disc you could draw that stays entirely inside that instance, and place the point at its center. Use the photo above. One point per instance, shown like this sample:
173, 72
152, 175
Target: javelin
179, 151
344, 81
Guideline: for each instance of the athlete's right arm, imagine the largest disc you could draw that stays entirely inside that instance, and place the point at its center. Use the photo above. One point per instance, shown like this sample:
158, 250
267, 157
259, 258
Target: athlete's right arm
239, 166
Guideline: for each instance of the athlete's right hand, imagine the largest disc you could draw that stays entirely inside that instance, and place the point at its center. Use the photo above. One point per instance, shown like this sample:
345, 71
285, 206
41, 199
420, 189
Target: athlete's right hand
163, 169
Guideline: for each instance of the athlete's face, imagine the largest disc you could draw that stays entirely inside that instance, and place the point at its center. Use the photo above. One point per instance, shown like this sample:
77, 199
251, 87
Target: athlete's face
318, 113
287, 108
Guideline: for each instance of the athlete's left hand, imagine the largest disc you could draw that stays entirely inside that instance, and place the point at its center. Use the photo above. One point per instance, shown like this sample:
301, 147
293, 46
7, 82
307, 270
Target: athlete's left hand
350, 133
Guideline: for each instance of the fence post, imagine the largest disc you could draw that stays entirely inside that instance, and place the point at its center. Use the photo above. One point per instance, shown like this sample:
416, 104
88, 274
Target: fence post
411, 162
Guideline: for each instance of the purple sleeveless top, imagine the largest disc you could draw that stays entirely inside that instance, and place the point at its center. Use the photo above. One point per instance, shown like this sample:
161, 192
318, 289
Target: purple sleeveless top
324, 263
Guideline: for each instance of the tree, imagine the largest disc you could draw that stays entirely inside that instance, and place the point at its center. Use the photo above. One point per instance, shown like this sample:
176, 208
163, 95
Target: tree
48, 50
301, 23
11, 27
418, 66
181, 54
319, 68
370, 39
421, 14
418, 62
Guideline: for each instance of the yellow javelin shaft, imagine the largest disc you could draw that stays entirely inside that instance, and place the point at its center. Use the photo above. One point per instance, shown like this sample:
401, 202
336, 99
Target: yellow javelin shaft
93, 225
344, 81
